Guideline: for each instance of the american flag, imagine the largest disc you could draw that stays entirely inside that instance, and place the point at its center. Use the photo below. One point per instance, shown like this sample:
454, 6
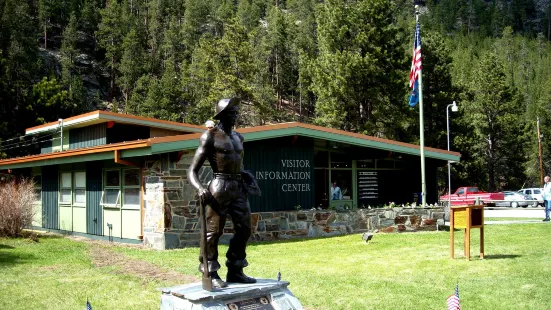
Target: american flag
415, 67
453, 300
88, 305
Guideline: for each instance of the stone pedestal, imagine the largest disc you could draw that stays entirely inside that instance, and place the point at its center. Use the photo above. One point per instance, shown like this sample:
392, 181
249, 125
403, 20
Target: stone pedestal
266, 294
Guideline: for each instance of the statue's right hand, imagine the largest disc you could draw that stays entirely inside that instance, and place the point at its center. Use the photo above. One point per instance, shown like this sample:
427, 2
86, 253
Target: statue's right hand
205, 196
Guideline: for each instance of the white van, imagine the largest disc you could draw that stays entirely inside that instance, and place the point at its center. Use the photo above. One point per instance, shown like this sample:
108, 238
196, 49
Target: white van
535, 193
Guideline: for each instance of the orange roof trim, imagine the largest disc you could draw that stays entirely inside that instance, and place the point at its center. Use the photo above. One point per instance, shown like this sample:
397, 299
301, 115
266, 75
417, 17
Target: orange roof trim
308, 126
89, 150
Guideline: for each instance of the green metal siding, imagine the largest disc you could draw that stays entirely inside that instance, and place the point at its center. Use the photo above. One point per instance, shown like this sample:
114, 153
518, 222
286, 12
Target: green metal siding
94, 218
88, 136
123, 132
50, 189
46, 147
266, 157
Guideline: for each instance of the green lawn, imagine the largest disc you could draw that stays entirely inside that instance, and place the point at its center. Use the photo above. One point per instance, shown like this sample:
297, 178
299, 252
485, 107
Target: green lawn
393, 271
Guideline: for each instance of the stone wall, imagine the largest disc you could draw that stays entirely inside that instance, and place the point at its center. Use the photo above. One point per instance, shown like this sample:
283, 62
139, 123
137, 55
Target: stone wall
171, 213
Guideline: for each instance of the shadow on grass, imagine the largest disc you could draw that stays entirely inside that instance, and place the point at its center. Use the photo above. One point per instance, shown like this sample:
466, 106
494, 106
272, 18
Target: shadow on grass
501, 256
296, 239
9, 258
49, 236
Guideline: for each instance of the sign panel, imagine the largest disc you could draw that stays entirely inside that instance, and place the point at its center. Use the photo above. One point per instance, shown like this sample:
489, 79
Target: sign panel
258, 303
284, 170
368, 188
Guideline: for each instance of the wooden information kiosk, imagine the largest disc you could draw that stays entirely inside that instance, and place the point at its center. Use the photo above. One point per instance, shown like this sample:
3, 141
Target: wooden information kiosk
467, 217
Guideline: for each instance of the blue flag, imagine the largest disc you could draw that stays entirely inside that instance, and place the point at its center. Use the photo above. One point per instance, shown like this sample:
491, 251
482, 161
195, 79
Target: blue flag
414, 97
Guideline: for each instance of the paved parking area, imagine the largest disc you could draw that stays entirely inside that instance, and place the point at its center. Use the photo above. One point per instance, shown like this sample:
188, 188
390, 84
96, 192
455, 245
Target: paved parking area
518, 216
515, 212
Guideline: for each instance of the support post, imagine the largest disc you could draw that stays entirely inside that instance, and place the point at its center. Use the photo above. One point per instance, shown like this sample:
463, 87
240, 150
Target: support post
540, 154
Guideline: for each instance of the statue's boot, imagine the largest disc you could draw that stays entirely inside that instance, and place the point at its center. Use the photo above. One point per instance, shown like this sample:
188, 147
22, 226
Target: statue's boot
217, 282
236, 275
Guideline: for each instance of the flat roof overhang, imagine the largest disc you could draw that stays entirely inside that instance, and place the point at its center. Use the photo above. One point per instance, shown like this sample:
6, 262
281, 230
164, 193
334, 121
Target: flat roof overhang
191, 141
97, 117
126, 149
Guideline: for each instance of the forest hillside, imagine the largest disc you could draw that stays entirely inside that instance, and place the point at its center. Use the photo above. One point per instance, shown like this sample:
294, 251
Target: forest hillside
340, 64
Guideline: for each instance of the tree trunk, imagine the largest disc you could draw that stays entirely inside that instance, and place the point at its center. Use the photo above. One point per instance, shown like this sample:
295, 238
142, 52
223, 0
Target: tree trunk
277, 81
112, 85
491, 165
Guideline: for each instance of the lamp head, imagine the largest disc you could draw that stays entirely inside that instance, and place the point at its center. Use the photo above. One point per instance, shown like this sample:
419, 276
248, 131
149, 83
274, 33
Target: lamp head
454, 107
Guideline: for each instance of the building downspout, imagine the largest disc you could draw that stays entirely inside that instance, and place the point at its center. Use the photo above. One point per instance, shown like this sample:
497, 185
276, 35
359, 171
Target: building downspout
142, 195
61, 136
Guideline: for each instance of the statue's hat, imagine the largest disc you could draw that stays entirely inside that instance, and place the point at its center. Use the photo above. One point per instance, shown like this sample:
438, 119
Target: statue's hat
224, 105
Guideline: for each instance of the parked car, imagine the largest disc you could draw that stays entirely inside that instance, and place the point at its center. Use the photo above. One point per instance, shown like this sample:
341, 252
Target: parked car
515, 200
535, 193
467, 195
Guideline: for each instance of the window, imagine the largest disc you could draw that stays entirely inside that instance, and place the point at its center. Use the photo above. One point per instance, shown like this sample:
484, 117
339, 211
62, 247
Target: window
131, 188
37, 189
111, 192
343, 180
365, 163
112, 178
72, 188
132, 177
122, 188
339, 160
65, 188
79, 188
461, 191
537, 191
110, 196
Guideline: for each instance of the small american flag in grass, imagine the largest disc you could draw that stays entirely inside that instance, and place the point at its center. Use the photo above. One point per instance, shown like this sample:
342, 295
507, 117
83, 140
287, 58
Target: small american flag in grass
453, 300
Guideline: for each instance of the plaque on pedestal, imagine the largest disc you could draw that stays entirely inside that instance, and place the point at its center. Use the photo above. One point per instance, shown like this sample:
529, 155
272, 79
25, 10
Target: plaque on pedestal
265, 294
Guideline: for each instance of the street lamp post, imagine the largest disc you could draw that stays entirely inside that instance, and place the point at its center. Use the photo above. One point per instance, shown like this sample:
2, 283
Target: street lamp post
454, 109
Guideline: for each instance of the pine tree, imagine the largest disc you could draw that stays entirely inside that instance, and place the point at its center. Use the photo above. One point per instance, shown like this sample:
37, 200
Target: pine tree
131, 67
279, 55
194, 25
45, 12
69, 52
358, 76
89, 17
493, 111
249, 13
110, 34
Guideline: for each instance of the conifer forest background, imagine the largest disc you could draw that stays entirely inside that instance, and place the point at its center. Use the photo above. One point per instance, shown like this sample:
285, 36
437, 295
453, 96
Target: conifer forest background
339, 64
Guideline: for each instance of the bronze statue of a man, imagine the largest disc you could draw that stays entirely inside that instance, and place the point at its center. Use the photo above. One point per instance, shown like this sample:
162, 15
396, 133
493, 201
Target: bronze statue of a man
226, 194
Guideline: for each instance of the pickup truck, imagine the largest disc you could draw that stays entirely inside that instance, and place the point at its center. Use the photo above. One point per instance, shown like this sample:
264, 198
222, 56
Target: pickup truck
467, 195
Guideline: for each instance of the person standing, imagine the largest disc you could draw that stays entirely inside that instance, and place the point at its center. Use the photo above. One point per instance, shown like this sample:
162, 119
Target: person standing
336, 193
547, 197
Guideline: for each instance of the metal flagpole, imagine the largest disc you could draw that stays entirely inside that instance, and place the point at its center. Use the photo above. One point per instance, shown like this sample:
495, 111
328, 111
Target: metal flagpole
540, 155
421, 128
